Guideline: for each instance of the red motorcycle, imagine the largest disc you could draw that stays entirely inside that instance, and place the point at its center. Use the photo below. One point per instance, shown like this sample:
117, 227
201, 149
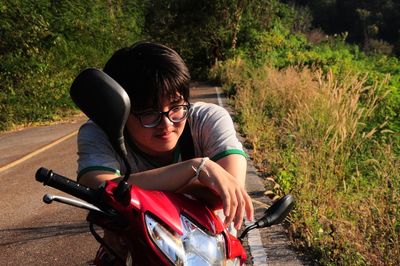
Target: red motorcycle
158, 227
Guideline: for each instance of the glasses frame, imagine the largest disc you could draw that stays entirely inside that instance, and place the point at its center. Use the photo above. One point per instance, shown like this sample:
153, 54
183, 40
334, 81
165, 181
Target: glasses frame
161, 114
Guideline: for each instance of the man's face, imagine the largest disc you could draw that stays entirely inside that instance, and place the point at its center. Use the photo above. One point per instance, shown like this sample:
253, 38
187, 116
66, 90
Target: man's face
161, 139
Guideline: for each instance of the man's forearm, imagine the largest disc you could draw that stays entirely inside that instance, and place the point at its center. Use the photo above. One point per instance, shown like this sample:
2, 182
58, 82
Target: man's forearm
236, 165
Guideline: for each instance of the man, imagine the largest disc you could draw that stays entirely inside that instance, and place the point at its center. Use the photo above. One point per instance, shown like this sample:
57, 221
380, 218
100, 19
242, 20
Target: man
157, 82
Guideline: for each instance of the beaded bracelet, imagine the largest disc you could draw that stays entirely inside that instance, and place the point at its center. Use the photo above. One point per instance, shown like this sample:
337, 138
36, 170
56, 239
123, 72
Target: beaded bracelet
200, 168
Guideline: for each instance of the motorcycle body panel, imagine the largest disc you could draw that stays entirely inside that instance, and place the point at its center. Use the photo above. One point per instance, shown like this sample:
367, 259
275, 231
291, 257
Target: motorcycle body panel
167, 208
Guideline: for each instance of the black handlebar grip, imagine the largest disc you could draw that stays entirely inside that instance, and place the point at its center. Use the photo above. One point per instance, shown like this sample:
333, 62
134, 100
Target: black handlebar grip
49, 178
41, 174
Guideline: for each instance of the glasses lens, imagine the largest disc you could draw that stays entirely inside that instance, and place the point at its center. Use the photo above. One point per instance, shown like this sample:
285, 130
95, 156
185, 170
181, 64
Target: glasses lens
150, 119
178, 113
175, 114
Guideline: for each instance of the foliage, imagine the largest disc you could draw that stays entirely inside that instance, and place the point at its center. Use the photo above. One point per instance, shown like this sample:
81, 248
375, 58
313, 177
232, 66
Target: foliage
207, 31
280, 48
309, 131
322, 118
45, 43
365, 21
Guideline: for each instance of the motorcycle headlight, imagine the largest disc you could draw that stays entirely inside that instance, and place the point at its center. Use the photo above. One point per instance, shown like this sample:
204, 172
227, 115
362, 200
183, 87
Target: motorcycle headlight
170, 244
200, 247
194, 247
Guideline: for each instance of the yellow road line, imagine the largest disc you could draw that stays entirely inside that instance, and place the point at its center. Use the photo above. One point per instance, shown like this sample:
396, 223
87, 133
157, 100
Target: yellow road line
30, 155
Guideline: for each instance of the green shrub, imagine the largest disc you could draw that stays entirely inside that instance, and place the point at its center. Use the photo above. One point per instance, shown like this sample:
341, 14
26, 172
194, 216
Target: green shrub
46, 43
311, 132
281, 48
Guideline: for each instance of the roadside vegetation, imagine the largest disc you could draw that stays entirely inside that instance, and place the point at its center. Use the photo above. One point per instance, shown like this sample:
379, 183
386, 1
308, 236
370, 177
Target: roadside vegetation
322, 120
309, 132
44, 44
318, 105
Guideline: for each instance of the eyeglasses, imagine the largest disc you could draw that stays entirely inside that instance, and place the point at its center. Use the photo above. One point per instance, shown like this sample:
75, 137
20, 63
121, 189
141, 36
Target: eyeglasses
176, 114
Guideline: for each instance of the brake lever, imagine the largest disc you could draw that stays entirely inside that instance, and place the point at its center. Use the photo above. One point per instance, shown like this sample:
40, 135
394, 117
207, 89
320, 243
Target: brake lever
48, 199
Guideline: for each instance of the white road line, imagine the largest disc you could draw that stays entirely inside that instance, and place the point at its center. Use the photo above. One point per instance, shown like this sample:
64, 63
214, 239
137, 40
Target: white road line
30, 155
219, 97
257, 250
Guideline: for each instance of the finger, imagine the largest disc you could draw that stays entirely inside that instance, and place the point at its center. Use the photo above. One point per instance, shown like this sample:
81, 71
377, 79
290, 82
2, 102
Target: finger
233, 207
213, 183
240, 211
249, 206
226, 202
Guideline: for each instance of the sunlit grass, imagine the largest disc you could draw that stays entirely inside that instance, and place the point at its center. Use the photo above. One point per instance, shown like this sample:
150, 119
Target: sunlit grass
312, 133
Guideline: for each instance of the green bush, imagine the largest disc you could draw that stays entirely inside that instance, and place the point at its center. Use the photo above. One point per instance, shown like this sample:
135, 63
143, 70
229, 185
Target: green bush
207, 31
46, 43
312, 133
323, 120
281, 48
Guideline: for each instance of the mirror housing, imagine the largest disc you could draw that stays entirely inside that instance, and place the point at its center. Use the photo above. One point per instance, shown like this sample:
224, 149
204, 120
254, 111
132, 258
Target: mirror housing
273, 215
108, 105
277, 212
105, 102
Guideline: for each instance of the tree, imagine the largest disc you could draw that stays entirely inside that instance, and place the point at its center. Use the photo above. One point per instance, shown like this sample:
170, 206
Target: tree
206, 31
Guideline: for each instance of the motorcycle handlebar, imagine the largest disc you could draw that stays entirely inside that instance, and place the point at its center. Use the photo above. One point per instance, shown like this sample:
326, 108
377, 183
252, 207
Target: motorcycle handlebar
49, 178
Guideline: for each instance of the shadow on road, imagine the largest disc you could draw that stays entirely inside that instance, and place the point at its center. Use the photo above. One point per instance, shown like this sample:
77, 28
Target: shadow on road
11, 236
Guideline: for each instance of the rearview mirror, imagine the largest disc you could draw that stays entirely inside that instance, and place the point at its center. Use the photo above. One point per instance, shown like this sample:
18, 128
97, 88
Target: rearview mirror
273, 215
105, 102
277, 212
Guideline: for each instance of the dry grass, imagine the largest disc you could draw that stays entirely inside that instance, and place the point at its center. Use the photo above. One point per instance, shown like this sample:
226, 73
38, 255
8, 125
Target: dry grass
312, 133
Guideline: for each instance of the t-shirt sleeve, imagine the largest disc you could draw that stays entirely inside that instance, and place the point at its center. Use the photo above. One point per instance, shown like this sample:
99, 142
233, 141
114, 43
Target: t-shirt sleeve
95, 151
213, 132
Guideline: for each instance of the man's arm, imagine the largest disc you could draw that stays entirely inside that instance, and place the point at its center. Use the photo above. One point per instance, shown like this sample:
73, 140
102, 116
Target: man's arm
240, 203
175, 177
169, 178
236, 165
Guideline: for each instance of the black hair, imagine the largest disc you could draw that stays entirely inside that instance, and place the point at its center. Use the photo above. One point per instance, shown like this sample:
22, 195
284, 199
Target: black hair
148, 71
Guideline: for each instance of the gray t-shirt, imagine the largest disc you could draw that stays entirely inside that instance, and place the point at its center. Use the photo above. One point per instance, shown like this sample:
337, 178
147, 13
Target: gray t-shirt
212, 130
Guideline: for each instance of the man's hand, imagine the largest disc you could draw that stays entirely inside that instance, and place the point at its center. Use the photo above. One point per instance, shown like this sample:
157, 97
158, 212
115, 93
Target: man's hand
236, 202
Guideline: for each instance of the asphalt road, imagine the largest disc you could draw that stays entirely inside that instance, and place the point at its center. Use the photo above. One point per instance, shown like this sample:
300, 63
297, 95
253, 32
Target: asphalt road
35, 233
32, 232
